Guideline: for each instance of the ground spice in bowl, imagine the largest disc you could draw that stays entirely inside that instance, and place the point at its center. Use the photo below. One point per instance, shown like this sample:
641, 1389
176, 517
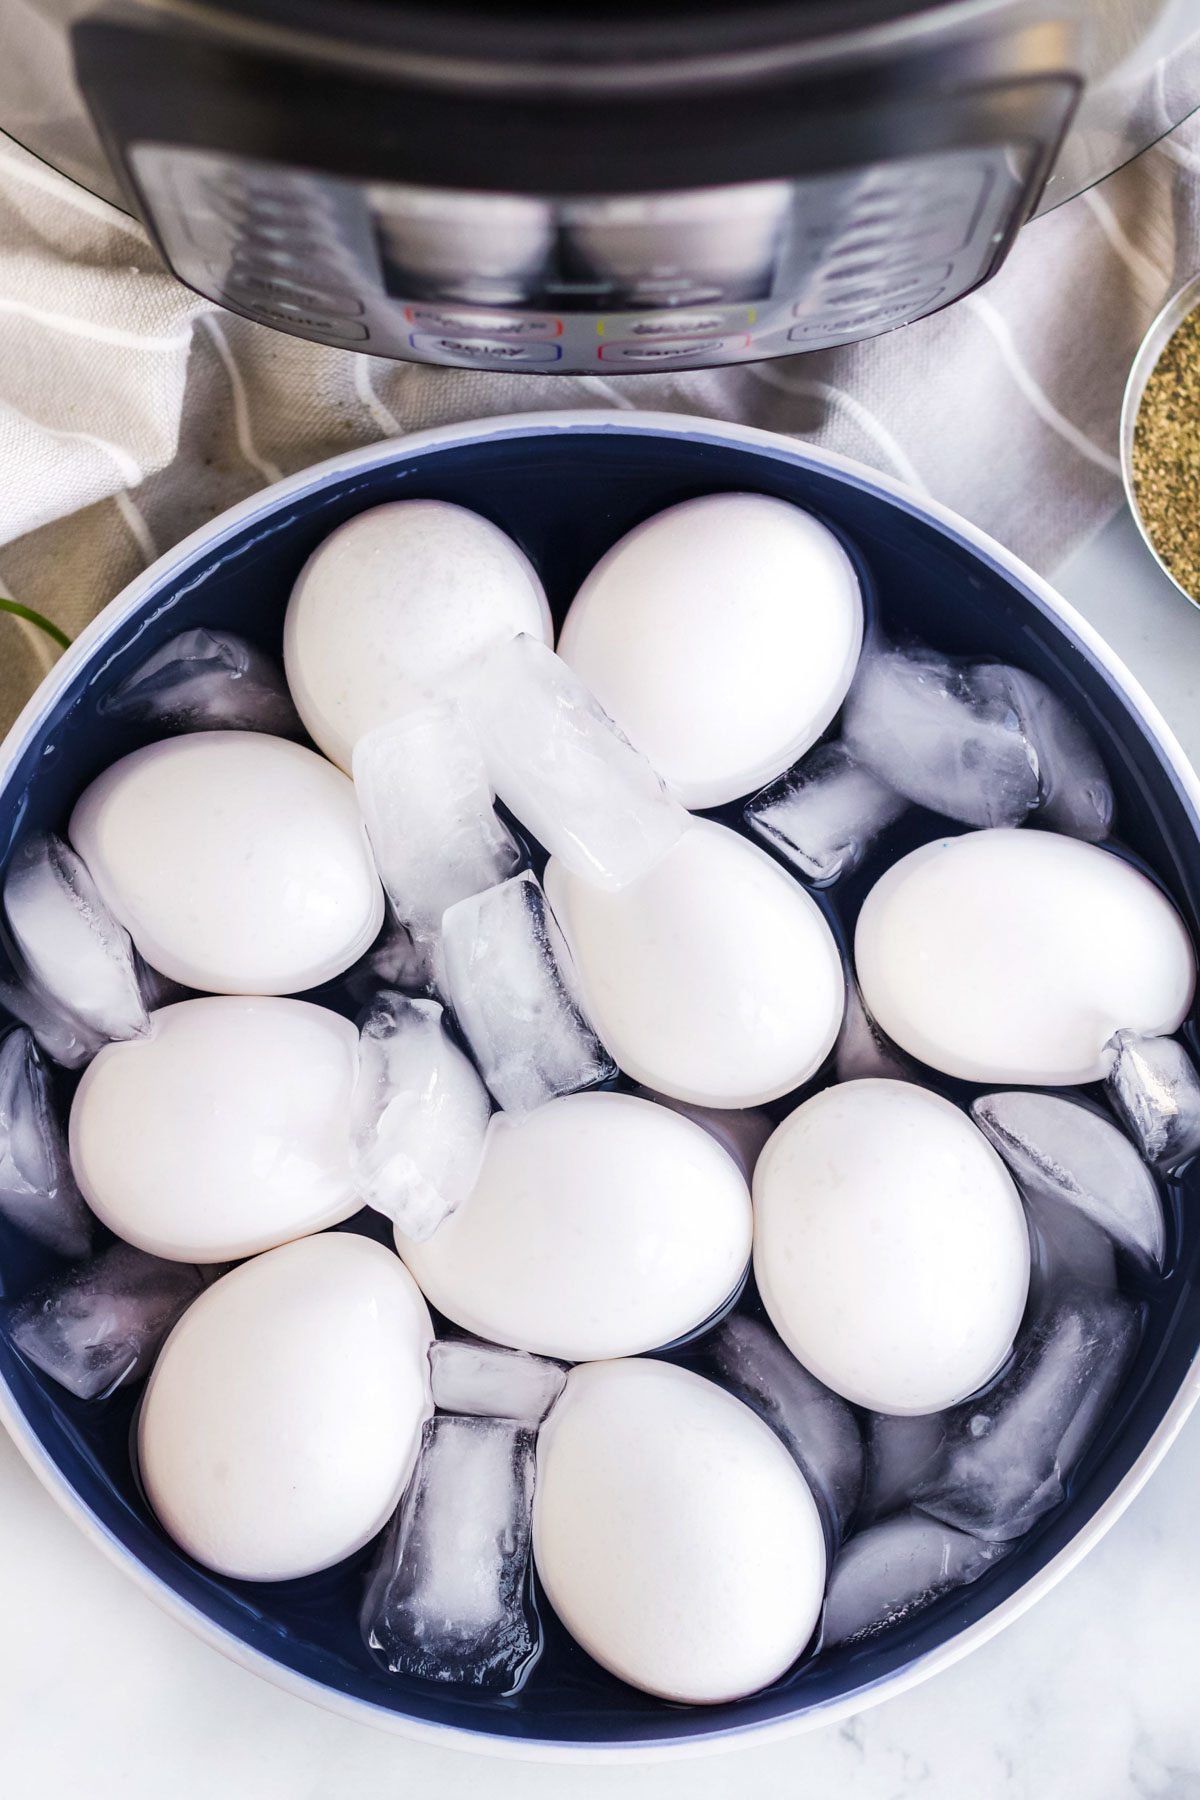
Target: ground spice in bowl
1166, 455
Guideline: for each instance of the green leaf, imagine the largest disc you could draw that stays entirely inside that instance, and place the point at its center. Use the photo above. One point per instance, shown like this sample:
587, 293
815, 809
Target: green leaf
35, 618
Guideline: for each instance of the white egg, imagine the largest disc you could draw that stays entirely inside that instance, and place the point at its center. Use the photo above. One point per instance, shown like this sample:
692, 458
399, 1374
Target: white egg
391, 605
714, 978
674, 1536
223, 1132
890, 1246
1015, 955
237, 862
722, 636
283, 1416
601, 1226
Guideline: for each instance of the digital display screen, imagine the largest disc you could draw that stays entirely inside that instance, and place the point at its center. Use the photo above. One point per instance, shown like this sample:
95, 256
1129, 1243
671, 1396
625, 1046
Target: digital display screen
628, 252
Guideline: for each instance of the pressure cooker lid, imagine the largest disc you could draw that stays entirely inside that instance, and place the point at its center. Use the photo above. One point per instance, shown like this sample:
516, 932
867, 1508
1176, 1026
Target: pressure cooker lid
1141, 57
545, 31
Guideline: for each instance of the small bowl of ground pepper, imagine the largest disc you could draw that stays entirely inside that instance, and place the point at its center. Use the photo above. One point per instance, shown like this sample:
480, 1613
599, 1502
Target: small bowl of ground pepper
1160, 439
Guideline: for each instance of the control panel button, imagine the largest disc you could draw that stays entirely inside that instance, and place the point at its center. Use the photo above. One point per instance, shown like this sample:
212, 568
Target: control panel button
307, 275
648, 352
294, 317
239, 206
266, 255
278, 290
508, 326
490, 324
887, 286
844, 323
670, 325
489, 350
900, 237
907, 270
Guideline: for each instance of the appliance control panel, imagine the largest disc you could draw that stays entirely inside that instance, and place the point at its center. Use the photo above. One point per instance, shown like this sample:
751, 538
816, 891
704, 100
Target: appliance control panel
601, 285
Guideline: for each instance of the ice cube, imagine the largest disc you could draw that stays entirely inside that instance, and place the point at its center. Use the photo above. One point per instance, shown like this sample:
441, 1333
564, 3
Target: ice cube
1065, 1246
890, 1570
862, 1052
509, 977
396, 960
420, 1115
938, 733
825, 813
900, 1451
206, 680
1010, 1451
446, 1600
1075, 794
743, 1131
101, 1324
1060, 1150
427, 802
569, 774
37, 1189
1154, 1086
470, 1377
76, 954
818, 1428
64, 1038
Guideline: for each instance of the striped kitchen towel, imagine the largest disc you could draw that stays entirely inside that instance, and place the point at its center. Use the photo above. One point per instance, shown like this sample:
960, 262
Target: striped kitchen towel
131, 411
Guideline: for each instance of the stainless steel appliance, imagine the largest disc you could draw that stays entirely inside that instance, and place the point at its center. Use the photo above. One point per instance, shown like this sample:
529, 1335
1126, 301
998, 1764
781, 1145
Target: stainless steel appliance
606, 189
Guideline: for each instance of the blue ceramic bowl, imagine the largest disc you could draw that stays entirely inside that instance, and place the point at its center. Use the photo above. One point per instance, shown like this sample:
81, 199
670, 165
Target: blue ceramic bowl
566, 485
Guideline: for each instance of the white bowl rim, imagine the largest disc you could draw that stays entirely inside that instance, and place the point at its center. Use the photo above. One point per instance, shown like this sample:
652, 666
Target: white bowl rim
689, 428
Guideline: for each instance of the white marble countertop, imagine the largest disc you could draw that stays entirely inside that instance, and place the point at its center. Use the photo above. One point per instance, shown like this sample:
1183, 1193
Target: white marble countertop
1090, 1696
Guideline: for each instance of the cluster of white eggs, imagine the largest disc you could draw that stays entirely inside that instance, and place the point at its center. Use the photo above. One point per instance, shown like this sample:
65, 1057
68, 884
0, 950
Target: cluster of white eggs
672, 1532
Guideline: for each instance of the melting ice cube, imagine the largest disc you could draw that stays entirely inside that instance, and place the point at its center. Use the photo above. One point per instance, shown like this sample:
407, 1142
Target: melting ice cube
101, 1324
396, 960
446, 1600
1154, 1086
901, 1450
509, 977
1075, 794
888, 1571
1010, 1451
1065, 1246
64, 1038
818, 1428
206, 680
37, 1188
938, 733
569, 774
78, 958
1060, 1150
493, 1383
427, 802
420, 1115
825, 813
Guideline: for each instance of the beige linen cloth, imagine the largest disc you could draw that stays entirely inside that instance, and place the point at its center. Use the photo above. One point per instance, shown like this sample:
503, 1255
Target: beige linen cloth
131, 411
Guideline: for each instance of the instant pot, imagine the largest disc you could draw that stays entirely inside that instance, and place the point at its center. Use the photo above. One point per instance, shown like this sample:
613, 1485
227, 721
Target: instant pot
590, 188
